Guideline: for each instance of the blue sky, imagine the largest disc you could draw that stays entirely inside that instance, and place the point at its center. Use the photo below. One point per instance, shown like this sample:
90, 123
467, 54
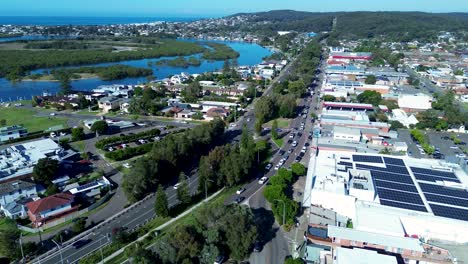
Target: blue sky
171, 8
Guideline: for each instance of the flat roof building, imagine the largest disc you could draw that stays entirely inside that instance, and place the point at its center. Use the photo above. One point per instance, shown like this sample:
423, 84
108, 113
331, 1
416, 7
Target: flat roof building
12, 132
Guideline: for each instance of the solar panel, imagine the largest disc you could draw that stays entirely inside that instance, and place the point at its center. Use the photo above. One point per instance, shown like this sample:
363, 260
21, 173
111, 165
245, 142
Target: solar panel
450, 212
397, 169
424, 177
365, 158
444, 174
396, 186
446, 200
87, 185
349, 164
441, 190
379, 175
411, 198
393, 161
403, 205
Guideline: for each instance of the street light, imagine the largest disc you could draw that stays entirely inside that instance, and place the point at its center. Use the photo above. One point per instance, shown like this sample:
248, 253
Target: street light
206, 190
21, 247
60, 250
284, 209
100, 246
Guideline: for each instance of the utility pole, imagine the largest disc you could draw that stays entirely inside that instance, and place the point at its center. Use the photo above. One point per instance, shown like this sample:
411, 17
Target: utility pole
21, 247
60, 250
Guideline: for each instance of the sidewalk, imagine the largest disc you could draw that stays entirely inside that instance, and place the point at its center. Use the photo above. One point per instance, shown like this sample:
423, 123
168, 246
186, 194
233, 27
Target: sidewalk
120, 251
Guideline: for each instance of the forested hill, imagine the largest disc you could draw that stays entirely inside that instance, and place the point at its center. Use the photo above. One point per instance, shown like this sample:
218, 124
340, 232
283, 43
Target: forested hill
398, 25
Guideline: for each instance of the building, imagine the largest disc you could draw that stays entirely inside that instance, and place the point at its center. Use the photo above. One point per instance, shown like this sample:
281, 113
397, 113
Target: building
12, 132
360, 256
16, 209
12, 191
215, 112
50, 208
344, 133
110, 103
401, 116
19, 160
402, 196
348, 106
351, 56
414, 102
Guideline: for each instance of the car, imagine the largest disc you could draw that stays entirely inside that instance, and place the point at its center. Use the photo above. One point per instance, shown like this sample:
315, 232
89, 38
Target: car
304, 116
257, 246
298, 158
277, 167
126, 165
157, 138
299, 134
63, 134
291, 135
110, 149
176, 186
241, 190
80, 243
290, 141
294, 144
52, 114
137, 142
219, 259
280, 163
304, 149
268, 166
286, 158
263, 180
290, 150
53, 135
307, 144
301, 128
239, 199
281, 152
142, 141
453, 147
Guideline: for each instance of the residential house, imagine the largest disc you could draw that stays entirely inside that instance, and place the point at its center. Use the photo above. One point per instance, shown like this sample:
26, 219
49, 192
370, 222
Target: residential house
217, 112
12, 191
12, 132
51, 207
16, 209
110, 103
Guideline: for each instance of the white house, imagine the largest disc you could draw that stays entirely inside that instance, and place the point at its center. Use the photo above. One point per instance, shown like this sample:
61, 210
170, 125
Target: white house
12, 191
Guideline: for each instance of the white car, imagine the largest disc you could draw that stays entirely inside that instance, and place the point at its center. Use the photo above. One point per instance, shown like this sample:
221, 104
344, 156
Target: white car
294, 144
176, 186
277, 167
304, 149
52, 114
126, 165
291, 135
241, 190
262, 180
52, 135
268, 166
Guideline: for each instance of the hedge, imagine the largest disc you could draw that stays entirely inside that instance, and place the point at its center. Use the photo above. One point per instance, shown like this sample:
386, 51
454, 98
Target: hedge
101, 144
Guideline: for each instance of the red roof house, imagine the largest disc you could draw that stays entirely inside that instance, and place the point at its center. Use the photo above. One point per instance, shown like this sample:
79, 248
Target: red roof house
50, 207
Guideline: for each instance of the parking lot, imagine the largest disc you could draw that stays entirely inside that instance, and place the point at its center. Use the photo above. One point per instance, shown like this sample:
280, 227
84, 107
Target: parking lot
440, 140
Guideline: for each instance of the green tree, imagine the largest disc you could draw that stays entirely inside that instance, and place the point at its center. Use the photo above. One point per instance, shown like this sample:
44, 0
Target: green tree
3, 122
192, 92
371, 79
291, 260
77, 133
79, 225
274, 129
328, 98
99, 127
197, 116
183, 192
44, 170
9, 235
370, 97
297, 88
298, 169
142, 180
52, 189
396, 125
161, 206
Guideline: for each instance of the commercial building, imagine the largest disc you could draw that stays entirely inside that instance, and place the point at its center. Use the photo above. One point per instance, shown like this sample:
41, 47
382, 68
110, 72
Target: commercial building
12, 132
415, 102
356, 56
397, 196
19, 160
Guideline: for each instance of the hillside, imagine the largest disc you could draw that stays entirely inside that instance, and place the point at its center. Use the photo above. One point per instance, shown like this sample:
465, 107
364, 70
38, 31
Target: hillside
397, 25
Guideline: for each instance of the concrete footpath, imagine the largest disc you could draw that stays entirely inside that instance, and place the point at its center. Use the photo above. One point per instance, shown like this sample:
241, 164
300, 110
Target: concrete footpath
120, 251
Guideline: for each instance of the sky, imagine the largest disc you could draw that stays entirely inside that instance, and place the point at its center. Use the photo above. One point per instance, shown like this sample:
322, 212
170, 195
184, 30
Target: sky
179, 8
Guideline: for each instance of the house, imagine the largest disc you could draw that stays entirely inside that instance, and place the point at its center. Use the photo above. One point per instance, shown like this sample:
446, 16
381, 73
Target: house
217, 112
50, 208
107, 104
184, 114
91, 189
12, 191
16, 209
405, 119
12, 132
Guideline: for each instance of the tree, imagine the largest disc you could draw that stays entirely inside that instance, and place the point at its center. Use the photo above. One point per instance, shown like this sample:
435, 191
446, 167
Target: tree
371, 79
197, 116
291, 260
370, 97
396, 125
298, 169
77, 134
9, 235
329, 98
99, 127
183, 192
3, 122
192, 92
52, 189
79, 225
161, 206
297, 88
142, 180
274, 129
44, 170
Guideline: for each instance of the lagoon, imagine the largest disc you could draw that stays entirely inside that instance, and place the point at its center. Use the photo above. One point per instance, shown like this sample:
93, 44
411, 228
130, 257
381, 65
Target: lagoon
250, 54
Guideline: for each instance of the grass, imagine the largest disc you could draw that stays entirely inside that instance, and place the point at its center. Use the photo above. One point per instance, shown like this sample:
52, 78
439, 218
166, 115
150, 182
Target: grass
86, 112
282, 123
26, 117
279, 142
78, 145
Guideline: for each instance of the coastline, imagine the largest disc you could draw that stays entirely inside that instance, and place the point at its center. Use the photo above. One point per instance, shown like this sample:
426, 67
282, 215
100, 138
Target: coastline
84, 76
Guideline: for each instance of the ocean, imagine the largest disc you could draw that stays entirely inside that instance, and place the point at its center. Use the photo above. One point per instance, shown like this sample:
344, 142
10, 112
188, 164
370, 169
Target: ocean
76, 20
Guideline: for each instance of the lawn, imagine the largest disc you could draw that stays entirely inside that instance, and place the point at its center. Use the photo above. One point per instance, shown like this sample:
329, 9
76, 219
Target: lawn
26, 117
282, 123
78, 145
279, 142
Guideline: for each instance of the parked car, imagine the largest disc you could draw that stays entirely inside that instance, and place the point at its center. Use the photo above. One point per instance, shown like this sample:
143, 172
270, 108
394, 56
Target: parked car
258, 246
126, 165
263, 180
53, 135
239, 199
219, 259
241, 190
176, 186
290, 150
291, 135
281, 152
294, 144
268, 166
277, 167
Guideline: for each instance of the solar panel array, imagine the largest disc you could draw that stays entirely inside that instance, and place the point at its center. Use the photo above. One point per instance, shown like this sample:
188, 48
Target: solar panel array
450, 212
369, 159
393, 183
87, 185
434, 175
